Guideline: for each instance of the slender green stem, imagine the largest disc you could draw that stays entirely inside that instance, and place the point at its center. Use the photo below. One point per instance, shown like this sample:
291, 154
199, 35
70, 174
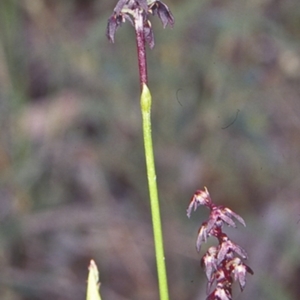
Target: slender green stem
154, 201
146, 115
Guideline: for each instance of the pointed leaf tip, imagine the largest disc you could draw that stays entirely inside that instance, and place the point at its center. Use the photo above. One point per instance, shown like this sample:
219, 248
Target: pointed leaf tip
93, 282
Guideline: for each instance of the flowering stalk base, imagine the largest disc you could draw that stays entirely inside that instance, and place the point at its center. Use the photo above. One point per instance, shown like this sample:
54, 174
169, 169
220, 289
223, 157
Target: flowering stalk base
154, 201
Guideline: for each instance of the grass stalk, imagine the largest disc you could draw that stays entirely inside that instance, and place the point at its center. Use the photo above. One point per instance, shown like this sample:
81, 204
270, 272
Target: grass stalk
154, 200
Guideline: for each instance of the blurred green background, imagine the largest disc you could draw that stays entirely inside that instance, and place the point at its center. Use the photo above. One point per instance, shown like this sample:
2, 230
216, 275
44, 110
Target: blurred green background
225, 83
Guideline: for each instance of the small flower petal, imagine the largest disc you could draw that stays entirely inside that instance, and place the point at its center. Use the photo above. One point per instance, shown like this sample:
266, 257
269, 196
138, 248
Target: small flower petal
199, 198
228, 246
149, 36
202, 236
217, 213
119, 6
239, 270
130, 5
230, 213
112, 25
143, 4
163, 12
220, 293
227, 220
209, 262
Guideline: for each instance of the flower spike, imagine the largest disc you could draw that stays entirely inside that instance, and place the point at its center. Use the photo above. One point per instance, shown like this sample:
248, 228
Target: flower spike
221, 264
127, 10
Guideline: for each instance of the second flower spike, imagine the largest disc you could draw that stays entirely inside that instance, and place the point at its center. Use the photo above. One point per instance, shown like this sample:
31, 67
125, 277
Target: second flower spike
223, 263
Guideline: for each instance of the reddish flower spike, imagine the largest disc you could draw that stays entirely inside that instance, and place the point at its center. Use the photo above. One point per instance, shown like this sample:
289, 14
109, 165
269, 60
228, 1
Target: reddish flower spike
221, 265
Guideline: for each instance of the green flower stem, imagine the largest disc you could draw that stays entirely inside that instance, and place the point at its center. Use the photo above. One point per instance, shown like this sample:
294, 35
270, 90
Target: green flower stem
154, 201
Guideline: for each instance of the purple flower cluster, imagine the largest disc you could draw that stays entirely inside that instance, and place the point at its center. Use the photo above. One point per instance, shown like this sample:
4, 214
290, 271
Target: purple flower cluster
128, 9
223, 264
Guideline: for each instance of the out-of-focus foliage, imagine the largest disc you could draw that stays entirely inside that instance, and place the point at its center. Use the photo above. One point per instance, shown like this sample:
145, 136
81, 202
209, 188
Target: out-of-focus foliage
225, 84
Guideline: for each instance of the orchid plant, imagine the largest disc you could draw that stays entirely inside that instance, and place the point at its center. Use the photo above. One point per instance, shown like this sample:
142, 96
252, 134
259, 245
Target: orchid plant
223, 263
137, 13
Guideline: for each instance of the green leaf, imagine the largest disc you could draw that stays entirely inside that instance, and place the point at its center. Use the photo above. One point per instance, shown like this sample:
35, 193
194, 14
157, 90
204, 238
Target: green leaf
93, 283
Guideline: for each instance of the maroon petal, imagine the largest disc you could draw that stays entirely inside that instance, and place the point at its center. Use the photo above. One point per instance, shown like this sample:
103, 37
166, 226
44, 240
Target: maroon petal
112, 25
220, 293
239, 250
119, 6
227, 219
163, 12
222, 252
228, 246
149, 36
192, 207
199, 198
202, 236
143, 4
239, 272
209, 261
238, 217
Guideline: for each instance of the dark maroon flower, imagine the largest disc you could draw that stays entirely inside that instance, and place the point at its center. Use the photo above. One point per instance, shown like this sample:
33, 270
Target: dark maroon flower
199, 198
149, 36
220, 293
239, 271
114, 22
202, 236
222, 267
165, 15
222, 277
226, 215
128, 9
217, 212
227, 246
209, 261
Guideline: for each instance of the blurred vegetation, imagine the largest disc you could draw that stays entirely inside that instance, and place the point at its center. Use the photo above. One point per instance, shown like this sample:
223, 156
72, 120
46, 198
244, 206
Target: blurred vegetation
226, 87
